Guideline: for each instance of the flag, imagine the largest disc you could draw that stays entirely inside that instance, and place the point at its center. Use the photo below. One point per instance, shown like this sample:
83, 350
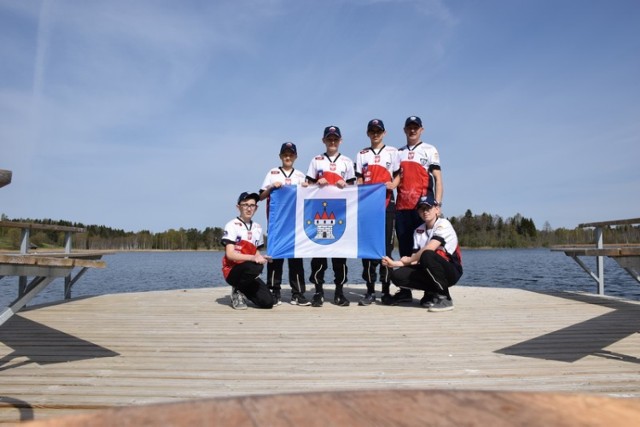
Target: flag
318, 222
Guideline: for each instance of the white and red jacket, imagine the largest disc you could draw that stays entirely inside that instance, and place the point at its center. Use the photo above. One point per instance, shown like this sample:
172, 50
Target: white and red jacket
246, 237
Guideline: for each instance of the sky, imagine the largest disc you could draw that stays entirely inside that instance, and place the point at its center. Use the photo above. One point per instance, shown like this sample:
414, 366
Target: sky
157, 114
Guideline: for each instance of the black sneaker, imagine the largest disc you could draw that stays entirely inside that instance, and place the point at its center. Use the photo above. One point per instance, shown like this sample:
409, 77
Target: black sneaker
317, 300
276, 298
403, 295
429, 299
368, 299
386, 299
442, 304
341, 300
299, 299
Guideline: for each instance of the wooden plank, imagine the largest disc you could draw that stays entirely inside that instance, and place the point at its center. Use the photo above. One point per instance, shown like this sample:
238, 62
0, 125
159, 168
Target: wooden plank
630, 221
75, 254
174, 346
36, 226
608, 251
33, 270
35, 260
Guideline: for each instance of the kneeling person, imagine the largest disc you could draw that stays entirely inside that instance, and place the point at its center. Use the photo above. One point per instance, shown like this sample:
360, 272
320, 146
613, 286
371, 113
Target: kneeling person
242, 263
437, 263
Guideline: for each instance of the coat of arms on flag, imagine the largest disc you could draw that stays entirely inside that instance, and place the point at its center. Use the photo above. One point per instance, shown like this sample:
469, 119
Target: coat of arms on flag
325, 220
307, 222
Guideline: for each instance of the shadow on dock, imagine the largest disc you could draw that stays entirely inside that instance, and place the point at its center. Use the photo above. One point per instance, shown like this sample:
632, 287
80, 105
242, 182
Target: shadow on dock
24, 408
33, 342
568, 344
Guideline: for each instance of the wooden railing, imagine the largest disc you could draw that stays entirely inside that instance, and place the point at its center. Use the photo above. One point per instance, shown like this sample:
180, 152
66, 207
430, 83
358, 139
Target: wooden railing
42, 267
627, 256
26, 228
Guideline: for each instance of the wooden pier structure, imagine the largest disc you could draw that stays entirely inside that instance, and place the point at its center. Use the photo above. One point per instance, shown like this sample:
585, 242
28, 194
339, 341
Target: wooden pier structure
123, 350
626, 255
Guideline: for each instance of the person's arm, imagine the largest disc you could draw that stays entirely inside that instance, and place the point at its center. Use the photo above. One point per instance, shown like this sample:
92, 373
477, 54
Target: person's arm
432, 245
259, 258
230, 252
265, 190
351, 181
393, 184
264, 193
437, 175
350, 175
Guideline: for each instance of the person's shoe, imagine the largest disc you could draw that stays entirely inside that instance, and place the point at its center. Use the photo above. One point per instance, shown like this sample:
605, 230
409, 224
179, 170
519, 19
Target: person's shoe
317, 300
403, 295
299, 299
368, 299
341, 300
442, 304
386, 299
276, 298
237, 300
429, 299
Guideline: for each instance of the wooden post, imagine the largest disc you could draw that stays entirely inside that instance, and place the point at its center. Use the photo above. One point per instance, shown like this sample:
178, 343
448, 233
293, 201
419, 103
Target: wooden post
600, 260
5, 177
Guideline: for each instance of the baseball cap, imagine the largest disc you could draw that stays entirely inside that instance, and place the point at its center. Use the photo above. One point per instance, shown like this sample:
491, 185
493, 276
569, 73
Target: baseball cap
413, 119
332, 130
426, 200
375, 123
246, 195
288, 146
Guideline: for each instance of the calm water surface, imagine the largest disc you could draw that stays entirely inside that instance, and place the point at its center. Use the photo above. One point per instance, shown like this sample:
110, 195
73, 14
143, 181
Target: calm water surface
533, 269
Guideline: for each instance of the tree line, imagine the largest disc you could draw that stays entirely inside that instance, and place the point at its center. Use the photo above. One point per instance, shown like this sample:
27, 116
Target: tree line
474, 231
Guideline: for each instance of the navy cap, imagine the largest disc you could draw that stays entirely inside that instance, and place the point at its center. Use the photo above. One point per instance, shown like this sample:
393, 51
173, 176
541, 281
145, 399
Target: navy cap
288, 146
246, 195
332, 130
426, 200
375, 123
413, 119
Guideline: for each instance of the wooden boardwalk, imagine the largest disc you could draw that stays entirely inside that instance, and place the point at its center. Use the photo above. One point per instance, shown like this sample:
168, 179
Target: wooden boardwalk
132, 349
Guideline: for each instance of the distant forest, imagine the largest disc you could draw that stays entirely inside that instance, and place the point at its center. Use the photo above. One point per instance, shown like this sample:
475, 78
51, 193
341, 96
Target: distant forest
474, 231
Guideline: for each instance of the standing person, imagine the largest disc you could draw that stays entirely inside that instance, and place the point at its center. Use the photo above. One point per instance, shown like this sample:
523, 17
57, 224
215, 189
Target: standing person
375, 164
276, 178
436, 264
420, 175
330, 168
242, 263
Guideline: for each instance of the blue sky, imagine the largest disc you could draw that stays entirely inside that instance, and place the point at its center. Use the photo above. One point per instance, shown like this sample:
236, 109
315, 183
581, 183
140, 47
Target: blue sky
157, 114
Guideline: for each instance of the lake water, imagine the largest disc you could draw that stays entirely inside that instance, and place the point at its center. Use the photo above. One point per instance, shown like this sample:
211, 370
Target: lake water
533, 269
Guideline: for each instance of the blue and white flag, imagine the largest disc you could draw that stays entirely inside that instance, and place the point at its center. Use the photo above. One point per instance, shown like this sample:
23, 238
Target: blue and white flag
318, 222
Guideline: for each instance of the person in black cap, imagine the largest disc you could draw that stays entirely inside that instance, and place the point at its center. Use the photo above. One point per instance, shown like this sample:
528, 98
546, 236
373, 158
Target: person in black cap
420, 175
330, 168
436, 264
378, 164
276, 178
242, 263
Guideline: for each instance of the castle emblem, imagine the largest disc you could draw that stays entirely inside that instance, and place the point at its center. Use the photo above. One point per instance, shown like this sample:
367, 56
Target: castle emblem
325, 220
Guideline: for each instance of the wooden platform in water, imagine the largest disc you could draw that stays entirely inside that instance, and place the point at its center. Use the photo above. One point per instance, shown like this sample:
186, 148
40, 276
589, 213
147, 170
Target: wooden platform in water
132, 349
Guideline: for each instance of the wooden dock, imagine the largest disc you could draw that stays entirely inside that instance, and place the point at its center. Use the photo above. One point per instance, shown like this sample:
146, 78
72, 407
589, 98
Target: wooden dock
99, 352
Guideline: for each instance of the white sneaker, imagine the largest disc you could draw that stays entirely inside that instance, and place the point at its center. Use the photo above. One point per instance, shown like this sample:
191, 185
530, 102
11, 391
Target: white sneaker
237, 299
